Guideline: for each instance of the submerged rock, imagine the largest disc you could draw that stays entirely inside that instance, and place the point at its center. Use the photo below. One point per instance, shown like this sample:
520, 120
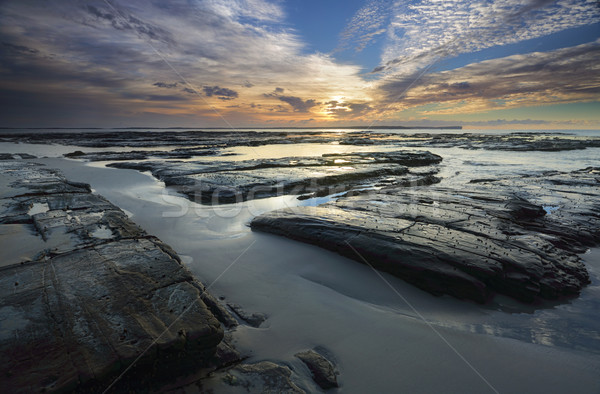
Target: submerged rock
99, 294
470, 243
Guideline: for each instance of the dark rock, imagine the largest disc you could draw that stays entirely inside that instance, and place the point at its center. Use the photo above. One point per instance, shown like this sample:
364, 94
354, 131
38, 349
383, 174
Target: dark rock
226, 355
230, 182
254, 319
470, 243
522, 209
183, 153
77, 153
100, 293
220, 312
323, 372
16, 156
263, 377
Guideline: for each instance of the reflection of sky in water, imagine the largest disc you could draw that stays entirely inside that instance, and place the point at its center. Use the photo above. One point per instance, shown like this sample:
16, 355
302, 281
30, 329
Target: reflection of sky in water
278, 151
573, 324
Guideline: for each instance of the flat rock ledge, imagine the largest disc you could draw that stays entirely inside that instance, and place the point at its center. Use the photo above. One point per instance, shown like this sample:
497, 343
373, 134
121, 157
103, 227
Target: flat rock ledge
518, 236
92, 293
262, 377
236, 181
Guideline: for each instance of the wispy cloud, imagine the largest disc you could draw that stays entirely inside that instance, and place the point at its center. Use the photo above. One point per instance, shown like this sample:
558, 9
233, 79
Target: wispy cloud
561, 76
426, 30
366, 25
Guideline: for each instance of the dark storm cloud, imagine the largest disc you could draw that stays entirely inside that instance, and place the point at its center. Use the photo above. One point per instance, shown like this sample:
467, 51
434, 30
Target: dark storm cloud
160, 97
165, 85
220, 93
298, 104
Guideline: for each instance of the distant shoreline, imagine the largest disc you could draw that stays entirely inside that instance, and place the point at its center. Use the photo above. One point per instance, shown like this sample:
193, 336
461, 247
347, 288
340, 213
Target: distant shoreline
239, 128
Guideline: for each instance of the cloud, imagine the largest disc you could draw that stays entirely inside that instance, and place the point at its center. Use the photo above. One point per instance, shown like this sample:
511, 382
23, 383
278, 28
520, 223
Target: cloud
87, 47
162, 97
561, 76
298, 104
19, 49
165, 85
425, 31
121, 19
275, 93
365, 25
220, 93
347, 110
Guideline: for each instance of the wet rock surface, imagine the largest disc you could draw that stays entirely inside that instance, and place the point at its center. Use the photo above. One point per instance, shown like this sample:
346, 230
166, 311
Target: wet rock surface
493, 236
229, 182
323, 372
262, 377
181, 153
254, 319
15, 156
96, 293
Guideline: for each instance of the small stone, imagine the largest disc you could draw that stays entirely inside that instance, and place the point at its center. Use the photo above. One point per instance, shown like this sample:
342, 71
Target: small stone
323, 372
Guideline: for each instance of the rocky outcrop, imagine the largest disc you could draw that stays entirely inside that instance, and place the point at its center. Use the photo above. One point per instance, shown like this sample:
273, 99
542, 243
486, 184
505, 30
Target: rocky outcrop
229, 182
262, 377
321, 369
253, 319
96, 294
471, 243
181, 153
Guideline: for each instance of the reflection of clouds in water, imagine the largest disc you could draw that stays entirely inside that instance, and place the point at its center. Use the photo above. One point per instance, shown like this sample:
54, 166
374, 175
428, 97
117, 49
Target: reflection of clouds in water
542, 333
571, 324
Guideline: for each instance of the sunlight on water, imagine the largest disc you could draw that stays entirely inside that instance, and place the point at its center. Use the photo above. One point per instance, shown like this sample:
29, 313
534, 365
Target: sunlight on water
278, 151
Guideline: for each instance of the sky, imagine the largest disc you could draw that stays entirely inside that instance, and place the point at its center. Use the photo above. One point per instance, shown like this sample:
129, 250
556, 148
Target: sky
525, 64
